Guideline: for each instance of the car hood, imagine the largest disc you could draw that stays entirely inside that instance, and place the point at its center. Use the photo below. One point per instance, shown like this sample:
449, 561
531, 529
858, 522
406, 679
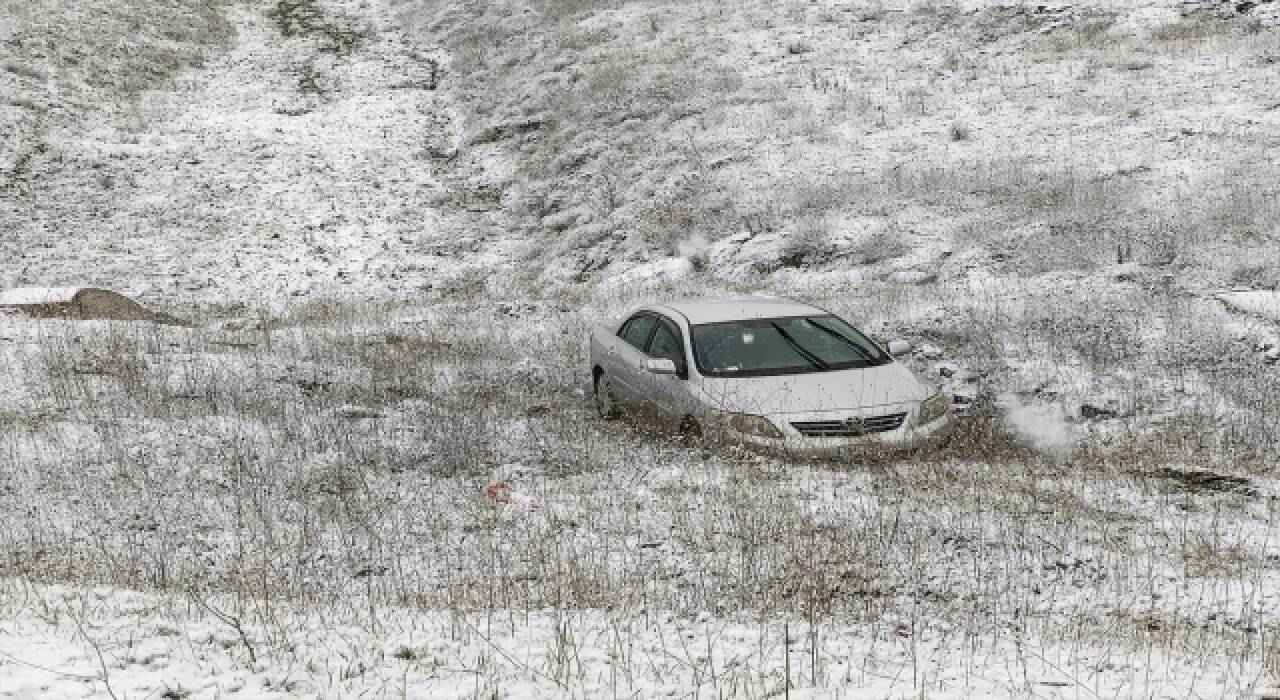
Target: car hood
817, 391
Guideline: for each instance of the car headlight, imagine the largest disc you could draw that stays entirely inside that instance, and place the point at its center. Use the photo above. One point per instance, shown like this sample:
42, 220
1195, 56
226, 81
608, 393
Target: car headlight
748, 424
933, 408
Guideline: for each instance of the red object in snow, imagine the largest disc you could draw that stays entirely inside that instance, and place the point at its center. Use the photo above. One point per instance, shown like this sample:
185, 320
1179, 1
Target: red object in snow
498, 491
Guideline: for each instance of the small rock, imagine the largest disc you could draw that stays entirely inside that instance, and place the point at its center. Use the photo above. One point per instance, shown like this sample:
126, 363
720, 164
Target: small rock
1089, 411
916, 277
352, 412
367, 571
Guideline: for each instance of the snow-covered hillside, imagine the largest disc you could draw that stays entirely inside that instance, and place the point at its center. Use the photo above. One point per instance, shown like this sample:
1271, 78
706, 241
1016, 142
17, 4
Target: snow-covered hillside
314, 156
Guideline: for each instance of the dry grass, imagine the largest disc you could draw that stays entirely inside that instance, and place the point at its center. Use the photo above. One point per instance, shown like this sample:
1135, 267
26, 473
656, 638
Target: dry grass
1192, 29
333, 456
80, 60
84, 49
310, 434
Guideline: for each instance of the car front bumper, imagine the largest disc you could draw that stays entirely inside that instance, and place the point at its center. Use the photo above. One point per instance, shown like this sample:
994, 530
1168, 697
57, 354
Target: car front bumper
908, 436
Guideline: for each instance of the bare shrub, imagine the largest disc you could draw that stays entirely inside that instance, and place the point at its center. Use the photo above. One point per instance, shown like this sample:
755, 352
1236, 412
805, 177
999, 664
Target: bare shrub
879, 247
561, 10
1247, 206
1190, 29
797, 48
1135, 63
695, 206
306, 18
1093, 29
808, 244
1264, 275
982, 434
25, 71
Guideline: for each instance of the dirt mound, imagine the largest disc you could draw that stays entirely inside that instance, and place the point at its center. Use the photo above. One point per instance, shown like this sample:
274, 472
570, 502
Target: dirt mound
79, 303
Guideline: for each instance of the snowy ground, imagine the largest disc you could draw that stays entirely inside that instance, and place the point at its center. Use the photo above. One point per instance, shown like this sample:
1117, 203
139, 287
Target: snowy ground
326, 482
394, 222
70, 643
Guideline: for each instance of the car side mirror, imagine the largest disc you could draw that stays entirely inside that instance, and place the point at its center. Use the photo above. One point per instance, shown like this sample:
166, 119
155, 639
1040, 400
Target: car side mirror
899, 347
660, 365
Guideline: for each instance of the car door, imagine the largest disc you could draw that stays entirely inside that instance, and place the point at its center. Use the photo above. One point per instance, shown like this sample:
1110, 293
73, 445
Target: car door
667, 394
625, 359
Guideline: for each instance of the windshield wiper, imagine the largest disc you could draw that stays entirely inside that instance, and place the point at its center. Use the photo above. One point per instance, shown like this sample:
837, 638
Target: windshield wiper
840, 336
812, 358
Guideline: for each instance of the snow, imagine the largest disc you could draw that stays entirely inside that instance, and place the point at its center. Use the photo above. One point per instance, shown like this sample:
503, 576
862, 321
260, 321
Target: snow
648, 275
1077, 573
1044, 426
38, 295
70, 643
1264, 304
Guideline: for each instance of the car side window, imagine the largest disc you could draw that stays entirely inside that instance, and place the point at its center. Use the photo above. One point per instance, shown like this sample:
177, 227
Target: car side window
666, 344
638, 330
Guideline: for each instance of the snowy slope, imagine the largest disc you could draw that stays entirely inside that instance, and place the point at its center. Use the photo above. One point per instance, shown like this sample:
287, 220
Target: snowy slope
279, 169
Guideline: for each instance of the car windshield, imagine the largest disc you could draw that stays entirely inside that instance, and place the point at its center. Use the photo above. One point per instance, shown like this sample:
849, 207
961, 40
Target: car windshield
772, 346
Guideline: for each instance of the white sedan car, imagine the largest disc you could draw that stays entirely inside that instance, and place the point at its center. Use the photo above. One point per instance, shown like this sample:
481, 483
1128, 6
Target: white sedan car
771, 372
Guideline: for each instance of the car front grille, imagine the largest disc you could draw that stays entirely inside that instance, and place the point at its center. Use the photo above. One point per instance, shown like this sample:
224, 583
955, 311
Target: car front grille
851, 427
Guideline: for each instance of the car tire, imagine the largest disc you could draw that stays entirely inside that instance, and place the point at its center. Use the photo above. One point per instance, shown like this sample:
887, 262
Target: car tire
606, 404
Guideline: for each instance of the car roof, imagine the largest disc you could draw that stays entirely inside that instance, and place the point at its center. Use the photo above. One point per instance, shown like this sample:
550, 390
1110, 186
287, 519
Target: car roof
713, 310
